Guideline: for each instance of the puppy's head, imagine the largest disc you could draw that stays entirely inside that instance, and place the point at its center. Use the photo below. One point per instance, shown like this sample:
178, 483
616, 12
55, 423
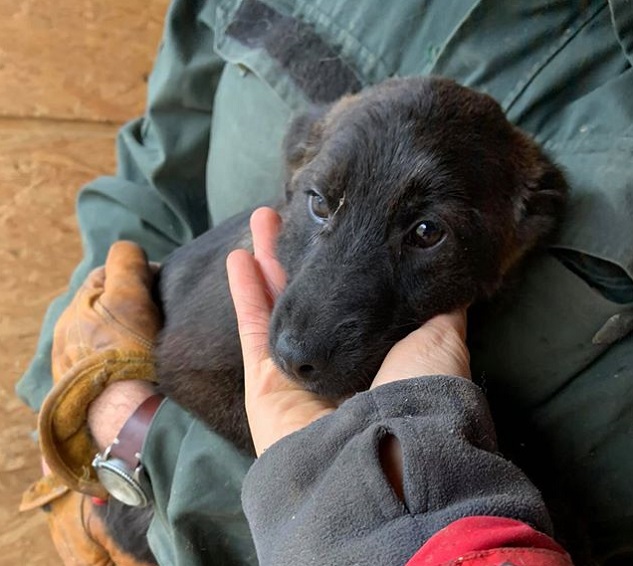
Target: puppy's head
410, 199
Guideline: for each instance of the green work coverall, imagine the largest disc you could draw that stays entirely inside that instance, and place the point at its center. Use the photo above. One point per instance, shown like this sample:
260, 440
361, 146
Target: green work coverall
555, 355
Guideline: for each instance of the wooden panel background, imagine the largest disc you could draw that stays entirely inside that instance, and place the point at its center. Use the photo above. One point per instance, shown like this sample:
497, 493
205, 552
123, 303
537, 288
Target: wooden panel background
76, 59
70, 72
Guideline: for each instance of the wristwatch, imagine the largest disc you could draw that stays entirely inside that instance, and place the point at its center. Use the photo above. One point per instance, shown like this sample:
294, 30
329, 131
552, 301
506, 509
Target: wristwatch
119, 466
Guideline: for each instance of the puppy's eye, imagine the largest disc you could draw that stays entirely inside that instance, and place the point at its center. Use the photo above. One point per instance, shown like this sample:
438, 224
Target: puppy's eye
318, 207
426, 234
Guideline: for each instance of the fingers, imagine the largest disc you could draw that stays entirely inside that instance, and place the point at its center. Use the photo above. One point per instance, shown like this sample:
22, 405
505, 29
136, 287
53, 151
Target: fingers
126, 300
275, 406
252, 305
255, 282
112, 310
265, 225
126, 266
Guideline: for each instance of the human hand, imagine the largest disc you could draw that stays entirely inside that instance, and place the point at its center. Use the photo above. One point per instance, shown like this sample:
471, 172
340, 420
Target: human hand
277, 406
438, 347
113, 309
102, 365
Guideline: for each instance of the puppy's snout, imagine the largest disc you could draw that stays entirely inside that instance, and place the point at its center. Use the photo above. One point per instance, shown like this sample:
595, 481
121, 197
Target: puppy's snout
298, 359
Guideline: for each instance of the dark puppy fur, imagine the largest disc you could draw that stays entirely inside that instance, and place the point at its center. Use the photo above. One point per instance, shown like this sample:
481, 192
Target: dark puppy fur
405, 201
410, 199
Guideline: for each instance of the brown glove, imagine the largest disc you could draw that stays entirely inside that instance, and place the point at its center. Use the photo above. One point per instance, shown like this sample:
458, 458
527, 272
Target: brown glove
105, 335
77, 530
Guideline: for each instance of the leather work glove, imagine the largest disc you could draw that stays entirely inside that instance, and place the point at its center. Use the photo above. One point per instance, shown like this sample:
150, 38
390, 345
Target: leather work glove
76, 528
105, 335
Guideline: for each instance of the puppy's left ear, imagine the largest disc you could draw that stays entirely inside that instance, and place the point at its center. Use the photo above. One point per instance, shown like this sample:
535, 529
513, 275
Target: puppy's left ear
540, 202
303, 140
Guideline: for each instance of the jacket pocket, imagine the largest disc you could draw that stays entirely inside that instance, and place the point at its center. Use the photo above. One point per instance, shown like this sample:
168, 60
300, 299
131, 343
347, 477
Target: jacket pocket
539, 334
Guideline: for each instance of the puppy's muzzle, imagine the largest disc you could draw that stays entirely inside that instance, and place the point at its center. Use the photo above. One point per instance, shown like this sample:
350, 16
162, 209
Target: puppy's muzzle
302, 360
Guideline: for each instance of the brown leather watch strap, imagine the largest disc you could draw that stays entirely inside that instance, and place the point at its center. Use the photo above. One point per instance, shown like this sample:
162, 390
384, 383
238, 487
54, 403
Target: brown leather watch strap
128, 443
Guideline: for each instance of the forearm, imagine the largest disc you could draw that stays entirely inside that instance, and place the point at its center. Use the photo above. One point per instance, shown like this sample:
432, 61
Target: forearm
109, 411
185, 463
335, 502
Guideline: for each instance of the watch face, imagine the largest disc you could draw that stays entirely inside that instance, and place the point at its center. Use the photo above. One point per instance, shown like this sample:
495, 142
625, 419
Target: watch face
119, 483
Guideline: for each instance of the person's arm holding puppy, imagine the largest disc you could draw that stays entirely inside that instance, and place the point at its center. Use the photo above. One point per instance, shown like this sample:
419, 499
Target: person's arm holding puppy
406, 470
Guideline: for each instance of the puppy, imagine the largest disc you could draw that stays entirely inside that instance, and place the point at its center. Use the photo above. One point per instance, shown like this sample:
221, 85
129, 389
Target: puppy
410, 199
407, 200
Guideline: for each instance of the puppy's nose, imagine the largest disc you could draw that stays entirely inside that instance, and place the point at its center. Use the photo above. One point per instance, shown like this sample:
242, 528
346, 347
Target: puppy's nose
298, 359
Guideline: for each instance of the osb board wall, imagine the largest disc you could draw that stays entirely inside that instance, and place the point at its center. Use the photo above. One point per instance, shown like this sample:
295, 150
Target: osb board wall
70, 72
76, 59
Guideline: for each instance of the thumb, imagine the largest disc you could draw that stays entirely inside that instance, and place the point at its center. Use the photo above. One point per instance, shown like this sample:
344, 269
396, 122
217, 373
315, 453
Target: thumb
438, 347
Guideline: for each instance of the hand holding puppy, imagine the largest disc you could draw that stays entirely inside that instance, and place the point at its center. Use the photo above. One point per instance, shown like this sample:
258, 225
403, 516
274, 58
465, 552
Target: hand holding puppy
277, 406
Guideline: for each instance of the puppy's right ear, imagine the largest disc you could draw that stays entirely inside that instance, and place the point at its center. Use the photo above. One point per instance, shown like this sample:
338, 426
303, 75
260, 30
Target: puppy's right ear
303, 138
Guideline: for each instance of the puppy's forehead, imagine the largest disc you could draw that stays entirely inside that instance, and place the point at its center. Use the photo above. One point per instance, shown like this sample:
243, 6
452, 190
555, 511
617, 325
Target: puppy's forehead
383, 158
424, 110
412, 139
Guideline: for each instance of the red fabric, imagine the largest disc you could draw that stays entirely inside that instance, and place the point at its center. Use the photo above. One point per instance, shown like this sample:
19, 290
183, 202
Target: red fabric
490, 541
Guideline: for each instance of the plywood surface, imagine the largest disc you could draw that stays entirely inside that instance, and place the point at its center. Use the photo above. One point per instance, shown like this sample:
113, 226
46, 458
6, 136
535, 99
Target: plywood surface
76, 59
70, 72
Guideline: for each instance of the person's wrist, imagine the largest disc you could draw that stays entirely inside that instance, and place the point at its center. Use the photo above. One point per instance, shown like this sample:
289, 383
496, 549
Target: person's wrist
111, 409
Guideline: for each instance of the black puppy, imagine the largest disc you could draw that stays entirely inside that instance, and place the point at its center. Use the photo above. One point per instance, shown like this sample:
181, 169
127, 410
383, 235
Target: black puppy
407, 200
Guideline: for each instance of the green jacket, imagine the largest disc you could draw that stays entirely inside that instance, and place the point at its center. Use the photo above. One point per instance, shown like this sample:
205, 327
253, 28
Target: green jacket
555, 354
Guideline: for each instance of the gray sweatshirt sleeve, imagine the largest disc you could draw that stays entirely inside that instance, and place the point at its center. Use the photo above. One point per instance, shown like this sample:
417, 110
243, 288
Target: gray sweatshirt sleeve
319, 496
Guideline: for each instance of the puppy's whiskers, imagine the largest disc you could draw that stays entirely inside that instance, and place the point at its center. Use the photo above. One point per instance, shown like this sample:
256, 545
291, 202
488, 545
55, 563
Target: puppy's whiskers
313, 239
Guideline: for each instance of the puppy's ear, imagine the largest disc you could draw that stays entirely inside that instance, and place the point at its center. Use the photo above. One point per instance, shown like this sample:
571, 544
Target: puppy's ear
303, 138
540, 202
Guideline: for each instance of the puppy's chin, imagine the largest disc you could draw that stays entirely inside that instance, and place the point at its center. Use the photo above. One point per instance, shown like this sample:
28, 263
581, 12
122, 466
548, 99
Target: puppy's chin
336, 390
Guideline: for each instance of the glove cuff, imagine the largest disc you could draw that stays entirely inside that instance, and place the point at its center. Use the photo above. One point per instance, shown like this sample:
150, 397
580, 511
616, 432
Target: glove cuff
42, 492
65, 439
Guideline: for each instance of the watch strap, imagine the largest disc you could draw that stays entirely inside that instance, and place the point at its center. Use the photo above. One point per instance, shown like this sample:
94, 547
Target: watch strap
129, 442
